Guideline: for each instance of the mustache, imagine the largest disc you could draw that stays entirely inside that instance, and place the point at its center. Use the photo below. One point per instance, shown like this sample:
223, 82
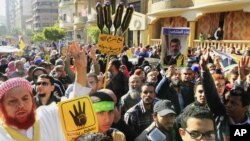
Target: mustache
138, 89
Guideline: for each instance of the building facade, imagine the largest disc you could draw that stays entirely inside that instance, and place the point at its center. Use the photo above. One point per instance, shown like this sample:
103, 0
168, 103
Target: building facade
23, 11
45, 13
137, 28
10, 14
201, 16
75, 16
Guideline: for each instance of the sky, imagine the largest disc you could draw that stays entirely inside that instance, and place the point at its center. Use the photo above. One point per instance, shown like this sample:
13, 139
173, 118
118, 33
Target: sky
2, 7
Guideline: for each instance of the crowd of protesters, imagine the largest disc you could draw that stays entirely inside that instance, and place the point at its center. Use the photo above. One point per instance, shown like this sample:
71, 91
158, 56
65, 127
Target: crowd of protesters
145, 101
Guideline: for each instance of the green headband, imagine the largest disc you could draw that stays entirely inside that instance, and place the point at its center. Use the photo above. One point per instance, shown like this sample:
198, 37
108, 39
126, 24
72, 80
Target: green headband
103, 106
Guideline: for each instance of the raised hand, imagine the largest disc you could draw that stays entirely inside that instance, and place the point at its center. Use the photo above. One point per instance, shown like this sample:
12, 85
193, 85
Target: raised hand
92, 53
204, 60
243, 67
79, 55
73, 49
170, 72
79, 116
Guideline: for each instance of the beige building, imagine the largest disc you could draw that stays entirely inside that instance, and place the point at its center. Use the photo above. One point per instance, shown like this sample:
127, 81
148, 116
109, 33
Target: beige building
136, 34
29, 23
76, 25
45, 13
23, 11
201, 16
74, 15
10, 14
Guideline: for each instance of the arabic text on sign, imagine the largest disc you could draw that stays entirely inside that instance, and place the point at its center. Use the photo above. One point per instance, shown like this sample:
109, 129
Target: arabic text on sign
109, 44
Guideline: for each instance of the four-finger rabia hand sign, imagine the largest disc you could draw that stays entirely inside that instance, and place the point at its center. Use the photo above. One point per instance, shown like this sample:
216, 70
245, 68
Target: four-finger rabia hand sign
79, 116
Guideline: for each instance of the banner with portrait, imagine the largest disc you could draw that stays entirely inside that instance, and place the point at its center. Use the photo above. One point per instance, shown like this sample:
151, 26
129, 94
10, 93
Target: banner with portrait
174, 46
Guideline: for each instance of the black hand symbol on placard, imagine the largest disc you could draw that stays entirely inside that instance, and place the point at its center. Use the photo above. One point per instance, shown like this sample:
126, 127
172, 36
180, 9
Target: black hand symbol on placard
79, 116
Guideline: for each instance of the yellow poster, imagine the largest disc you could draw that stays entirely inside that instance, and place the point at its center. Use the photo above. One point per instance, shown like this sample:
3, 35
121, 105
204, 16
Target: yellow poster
64, 51
129, 53
47, 57
77, 117
110, 45
20, 53
21, 44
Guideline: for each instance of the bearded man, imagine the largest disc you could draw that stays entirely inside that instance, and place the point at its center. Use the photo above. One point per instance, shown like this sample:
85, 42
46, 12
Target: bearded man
133, 96
20, 120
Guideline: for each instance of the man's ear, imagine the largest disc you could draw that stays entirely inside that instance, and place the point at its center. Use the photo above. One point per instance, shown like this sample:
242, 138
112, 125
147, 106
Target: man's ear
53, 87
154, 115
182, 132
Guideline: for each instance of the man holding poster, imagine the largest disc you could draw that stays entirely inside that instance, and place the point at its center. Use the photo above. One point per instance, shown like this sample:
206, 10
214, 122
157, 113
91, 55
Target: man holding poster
174, 46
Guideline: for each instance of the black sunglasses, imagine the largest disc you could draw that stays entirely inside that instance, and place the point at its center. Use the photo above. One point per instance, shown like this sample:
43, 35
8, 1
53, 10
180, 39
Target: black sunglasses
42, 83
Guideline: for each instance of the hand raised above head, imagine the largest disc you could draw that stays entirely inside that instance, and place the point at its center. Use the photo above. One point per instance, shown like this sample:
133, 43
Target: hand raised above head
243, 67
92, 53
79, 55
74, 49
204, 60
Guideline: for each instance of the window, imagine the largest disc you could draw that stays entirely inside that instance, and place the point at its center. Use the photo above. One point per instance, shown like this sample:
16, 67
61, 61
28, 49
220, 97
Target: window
137, 6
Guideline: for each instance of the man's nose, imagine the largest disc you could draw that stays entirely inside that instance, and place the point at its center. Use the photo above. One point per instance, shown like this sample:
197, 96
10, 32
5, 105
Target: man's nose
20, 104
106, 117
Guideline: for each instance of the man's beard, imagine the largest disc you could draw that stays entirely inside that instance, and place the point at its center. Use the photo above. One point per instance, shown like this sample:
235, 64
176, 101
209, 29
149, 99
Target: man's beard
175, 83
134, 93
20, 125
175, 53
162, 128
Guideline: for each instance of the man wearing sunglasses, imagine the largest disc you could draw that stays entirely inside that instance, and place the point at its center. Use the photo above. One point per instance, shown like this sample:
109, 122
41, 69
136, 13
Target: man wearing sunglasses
197, 123
44, 90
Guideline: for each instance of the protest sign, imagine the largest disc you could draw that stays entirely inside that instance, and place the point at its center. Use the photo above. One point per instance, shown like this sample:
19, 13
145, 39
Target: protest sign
174, 46
77, 117
110, 45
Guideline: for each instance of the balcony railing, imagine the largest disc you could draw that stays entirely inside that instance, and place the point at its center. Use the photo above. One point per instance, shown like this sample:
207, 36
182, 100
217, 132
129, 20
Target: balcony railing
239, 44
154, 1
205, 2
66, 24
158, 5
155, 42
66, 3
80, 20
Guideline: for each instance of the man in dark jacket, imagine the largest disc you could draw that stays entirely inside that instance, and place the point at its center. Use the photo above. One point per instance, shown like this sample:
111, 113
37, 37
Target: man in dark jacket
173, 89
236, 103
117, 82
164, 119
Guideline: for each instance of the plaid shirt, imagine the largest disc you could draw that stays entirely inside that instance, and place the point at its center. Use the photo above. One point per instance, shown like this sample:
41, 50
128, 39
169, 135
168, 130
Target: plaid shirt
138, 118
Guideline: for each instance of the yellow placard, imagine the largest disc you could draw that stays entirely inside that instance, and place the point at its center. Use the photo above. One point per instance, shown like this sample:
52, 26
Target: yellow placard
110, 45
77, 117
20, 53
129, 53
64, 51
21, 44
47, 57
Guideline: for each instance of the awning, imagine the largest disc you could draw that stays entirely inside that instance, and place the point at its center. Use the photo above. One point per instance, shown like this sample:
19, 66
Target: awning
8, 49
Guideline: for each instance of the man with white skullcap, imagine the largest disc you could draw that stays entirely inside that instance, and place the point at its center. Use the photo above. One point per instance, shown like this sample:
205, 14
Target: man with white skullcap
21, 121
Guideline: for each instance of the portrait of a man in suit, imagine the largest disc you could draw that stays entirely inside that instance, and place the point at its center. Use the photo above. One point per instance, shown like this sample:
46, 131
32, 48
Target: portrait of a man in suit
174, 56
